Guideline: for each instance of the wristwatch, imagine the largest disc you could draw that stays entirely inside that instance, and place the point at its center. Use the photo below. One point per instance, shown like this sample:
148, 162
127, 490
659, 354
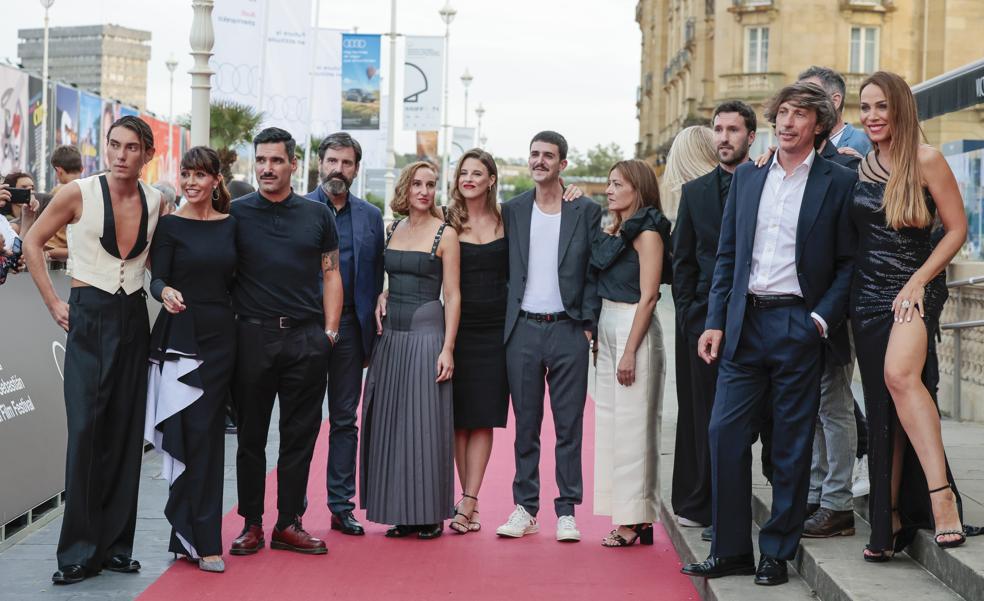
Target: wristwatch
332, 336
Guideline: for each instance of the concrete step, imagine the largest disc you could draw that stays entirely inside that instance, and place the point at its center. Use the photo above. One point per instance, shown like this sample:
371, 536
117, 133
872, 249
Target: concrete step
835, 570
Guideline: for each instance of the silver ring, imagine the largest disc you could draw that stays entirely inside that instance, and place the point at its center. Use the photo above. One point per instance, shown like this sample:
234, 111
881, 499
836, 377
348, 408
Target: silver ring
906, 304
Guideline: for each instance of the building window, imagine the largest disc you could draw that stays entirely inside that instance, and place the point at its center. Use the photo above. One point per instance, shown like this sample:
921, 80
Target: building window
757, 50
864, 49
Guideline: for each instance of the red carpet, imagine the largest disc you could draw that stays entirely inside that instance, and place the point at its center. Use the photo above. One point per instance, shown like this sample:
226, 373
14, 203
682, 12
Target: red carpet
476, 566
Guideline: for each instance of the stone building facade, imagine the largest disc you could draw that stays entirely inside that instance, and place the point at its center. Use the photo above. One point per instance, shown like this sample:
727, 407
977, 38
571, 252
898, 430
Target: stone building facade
106, 59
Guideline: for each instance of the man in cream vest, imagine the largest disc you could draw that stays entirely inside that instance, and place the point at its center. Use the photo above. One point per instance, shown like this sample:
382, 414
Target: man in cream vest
113, 217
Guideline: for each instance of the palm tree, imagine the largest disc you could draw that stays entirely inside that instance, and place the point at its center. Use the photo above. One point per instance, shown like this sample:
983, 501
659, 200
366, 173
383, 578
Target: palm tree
232, 125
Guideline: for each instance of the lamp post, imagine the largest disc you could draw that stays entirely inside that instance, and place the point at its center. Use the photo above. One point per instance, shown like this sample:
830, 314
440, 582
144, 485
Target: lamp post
202, 39
480, 112
43, 157
447, 13
466, 80
171, 65
391, 131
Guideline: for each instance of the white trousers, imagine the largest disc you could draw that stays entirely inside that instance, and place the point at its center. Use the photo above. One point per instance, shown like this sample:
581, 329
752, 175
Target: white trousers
627, 420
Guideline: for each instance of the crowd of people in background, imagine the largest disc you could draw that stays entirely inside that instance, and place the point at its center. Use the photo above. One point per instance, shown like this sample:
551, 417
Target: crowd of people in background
836, 237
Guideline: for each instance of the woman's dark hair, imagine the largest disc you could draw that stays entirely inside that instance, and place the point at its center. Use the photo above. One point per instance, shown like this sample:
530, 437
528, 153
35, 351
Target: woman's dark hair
11, 178
203, 158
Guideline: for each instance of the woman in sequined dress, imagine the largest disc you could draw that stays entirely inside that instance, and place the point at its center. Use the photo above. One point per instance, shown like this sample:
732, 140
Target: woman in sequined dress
897, 296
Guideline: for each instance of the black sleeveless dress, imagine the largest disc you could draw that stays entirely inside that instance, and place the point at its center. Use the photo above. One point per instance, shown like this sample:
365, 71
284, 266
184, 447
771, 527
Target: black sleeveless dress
407, 452
885, 260
192, 356
481, 392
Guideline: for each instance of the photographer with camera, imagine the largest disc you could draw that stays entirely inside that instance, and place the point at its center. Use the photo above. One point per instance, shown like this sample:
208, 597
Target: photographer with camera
10, 250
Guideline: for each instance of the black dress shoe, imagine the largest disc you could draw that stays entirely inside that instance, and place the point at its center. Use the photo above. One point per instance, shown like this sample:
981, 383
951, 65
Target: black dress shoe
715, 567
428, 531
707, 534
345, 522
400, 531
69, 574
122, 564
771, 571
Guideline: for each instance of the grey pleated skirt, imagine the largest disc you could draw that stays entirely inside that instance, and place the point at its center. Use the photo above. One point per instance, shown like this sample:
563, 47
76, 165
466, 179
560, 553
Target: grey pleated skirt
407, 452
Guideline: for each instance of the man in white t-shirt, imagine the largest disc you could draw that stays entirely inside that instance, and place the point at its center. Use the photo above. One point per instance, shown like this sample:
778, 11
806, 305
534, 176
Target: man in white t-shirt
551, 313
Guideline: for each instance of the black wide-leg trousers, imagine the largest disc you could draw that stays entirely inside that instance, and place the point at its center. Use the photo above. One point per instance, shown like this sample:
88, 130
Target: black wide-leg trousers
105, 404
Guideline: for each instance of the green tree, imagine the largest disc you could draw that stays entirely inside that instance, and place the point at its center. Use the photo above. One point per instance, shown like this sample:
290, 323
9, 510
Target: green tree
596, 162
517, 184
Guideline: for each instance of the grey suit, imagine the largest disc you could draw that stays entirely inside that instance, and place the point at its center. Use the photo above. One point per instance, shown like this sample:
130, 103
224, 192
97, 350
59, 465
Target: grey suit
555, 350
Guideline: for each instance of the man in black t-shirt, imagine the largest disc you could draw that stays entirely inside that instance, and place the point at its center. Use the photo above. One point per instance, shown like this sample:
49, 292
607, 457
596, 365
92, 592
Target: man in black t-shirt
288, 299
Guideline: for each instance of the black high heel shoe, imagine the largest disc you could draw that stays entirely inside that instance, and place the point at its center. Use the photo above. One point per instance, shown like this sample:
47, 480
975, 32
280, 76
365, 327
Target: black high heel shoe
883, 555
465, 526
947, 544
643, 534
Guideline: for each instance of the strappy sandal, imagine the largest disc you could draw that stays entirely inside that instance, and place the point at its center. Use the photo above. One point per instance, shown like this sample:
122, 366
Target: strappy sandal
947, 544
458, 526
643, 534
473, 524
883, 555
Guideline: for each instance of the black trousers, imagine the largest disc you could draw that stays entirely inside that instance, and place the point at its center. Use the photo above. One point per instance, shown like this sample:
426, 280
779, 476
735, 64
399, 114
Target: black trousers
344, 392
105, 405
696, 382
292, 365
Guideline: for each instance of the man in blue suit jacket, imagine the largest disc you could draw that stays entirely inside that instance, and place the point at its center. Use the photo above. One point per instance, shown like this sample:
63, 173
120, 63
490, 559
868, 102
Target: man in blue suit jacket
779, 293
360, 252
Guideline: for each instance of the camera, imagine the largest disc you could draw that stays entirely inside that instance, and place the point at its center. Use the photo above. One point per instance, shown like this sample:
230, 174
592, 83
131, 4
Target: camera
8, 263
19, 196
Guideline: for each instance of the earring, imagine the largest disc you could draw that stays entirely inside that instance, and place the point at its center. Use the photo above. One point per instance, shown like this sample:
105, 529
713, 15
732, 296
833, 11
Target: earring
215, 193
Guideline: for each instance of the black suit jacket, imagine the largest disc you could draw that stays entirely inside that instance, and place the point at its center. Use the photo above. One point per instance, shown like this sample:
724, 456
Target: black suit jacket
830, 153
695, 244
825, 247
579, 221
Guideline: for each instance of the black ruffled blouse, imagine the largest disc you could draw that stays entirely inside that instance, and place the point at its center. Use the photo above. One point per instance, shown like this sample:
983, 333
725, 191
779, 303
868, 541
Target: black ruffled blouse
618, 262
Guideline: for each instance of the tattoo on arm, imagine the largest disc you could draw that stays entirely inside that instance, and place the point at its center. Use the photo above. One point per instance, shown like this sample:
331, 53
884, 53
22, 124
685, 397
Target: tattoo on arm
329, 261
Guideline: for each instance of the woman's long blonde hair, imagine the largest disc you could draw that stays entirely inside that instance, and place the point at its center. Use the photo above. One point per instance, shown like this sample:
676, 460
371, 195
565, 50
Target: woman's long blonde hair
691, 155
458, 210
401, 197
903, 202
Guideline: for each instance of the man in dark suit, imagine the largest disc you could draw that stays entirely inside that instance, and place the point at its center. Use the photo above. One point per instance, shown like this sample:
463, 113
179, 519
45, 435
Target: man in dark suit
695, 243
360, 254
779, 293
551, 313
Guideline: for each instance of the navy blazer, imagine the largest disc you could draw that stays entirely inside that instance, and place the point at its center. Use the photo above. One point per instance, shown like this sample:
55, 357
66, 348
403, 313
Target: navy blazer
855, 138
368, 238
825, 246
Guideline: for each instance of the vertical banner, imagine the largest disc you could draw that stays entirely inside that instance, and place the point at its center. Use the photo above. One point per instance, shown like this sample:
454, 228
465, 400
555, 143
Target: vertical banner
427, 146
156, 169
34, 128
287, 69
108, 116
66, 116
360, 81
13, 120
462, 140
236, 57
423, 81
90, 115
326, 100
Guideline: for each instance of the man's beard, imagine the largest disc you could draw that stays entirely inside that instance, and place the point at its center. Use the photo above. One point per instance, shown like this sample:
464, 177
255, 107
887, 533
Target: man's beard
738, 155
335, 183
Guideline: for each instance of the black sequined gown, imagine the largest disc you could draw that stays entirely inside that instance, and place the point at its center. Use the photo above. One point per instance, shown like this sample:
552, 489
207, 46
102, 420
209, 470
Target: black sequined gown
885, 261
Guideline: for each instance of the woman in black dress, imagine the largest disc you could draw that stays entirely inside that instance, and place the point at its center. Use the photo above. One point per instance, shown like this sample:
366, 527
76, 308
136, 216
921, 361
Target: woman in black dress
897, 296
193, 347
481, 393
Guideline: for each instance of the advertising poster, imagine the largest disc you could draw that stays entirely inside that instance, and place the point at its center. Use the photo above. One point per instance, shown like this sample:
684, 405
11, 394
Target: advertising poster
360, 81
108, 116
287, 72
13, 120
423, 82
66, 116
157, 169
124, 111
35, 115
427, 147
90, 116
236, 57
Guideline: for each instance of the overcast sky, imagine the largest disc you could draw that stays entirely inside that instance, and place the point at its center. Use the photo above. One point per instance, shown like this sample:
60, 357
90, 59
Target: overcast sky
569, 65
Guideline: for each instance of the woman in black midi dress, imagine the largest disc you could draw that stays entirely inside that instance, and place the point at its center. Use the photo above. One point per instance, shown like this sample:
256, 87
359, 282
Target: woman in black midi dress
897, 296
193, 346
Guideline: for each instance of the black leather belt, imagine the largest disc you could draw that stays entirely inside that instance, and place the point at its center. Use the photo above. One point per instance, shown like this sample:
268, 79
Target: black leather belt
771, 301
544, 317
275, 323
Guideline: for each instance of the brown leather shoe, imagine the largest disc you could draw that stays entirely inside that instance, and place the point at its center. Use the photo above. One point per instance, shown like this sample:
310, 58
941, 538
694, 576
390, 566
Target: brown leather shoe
250, 541
827, 522
294, 538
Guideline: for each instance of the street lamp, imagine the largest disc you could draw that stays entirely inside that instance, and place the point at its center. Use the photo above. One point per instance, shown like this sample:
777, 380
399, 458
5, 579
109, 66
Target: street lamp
480, 112
448, 14
202, 39
43, 157
171, 65
466, 80
390, 177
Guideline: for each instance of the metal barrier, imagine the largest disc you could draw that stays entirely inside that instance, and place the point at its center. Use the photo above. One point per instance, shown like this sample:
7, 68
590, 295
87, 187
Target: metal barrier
957, 327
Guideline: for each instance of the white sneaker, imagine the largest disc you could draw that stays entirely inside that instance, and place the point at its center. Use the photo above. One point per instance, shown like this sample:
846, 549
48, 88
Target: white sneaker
567, 531
861, 485
520, 523
688, 523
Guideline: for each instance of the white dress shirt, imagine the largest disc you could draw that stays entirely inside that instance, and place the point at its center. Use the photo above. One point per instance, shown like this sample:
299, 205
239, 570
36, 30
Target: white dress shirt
773, 268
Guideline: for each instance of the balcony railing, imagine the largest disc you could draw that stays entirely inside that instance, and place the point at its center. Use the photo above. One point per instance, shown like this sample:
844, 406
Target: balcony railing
862, 5
752, 86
